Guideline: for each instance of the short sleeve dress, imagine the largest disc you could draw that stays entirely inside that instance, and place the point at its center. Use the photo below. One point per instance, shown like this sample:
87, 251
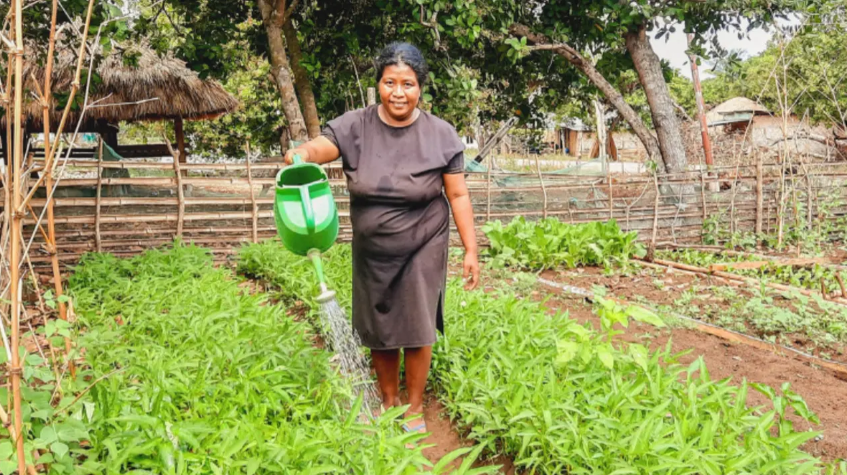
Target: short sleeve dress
401, 222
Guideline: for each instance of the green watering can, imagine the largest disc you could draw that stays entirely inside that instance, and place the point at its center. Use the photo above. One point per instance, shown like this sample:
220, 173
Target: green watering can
305, 212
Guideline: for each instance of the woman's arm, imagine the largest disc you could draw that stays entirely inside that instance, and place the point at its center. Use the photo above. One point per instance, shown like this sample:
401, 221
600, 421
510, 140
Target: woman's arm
460, 201
319, 150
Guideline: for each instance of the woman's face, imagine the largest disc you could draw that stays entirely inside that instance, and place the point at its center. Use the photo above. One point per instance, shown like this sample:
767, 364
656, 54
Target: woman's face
399, 91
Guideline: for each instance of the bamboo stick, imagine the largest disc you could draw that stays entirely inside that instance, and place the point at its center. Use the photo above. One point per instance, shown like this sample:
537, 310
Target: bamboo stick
49, 157
751, 281
180, 196
703, 194
166, 217
15, 369
543, 188
655, 210
159, 201
130, 165
759, 196
488, 190
611, 198
253, 195
98, 204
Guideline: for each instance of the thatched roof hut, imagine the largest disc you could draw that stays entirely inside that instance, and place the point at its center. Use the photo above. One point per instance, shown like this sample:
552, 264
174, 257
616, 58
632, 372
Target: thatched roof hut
737, 109
132, 83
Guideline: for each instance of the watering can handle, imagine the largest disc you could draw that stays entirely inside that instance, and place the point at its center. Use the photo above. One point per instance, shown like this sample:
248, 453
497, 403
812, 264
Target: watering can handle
308, 212
296, 159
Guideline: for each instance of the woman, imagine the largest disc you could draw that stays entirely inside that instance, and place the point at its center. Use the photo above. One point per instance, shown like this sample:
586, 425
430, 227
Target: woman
400, 163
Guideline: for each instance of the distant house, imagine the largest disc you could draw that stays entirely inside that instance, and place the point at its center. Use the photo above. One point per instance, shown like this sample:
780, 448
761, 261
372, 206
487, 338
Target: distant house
735, 113
755, 125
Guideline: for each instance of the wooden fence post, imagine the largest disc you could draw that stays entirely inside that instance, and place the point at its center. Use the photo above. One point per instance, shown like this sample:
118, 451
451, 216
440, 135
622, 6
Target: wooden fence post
252, 197
371, 96
488, 192
179, 192
543, 188
703, 195
97, 238
655, 210
611, 198
759, 196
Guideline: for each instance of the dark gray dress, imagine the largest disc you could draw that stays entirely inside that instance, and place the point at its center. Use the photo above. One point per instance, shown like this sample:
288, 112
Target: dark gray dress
400, 220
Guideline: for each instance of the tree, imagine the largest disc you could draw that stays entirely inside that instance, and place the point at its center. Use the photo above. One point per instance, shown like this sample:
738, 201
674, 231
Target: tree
206, 26
584, 32
814, 62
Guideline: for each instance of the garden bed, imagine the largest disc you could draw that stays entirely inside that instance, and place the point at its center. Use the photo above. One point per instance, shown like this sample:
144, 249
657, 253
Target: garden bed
558, 396
823, 390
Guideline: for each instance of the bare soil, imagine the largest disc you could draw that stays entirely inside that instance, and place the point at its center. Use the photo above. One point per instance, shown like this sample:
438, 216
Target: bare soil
673, 284
823, 391
446, 438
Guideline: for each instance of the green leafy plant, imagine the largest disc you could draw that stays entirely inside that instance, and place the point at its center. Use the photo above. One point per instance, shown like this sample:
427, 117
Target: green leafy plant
560, 397
196, 375
549, 243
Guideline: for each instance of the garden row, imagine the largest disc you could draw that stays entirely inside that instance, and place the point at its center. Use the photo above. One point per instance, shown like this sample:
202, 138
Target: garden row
560, 397
193, 374
800, 317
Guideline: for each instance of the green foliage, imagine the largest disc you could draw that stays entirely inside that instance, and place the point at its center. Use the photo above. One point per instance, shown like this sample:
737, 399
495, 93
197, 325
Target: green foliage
566, 398
293, 276
549, 243
212, 379
815, 62
59, 434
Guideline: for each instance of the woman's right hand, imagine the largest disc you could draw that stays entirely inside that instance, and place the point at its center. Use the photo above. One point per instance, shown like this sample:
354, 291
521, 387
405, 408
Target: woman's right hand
289, 155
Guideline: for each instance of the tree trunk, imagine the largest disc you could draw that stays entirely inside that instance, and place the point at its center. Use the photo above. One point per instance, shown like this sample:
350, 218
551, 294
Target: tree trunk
615, 98
301, 81
665, 121
272, 19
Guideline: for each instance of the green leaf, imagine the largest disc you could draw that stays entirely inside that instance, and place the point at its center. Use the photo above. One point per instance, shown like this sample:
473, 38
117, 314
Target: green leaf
606, 356
59, 449
641, 314
566, 351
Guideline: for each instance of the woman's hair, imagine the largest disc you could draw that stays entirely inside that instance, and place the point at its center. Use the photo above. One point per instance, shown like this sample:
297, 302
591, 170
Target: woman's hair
402, 53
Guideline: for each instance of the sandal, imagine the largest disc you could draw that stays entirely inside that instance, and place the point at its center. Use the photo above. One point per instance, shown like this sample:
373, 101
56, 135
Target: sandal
419, 428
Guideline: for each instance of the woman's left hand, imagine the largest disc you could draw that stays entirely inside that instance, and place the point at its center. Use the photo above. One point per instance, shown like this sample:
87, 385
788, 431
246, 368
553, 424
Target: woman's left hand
471, 271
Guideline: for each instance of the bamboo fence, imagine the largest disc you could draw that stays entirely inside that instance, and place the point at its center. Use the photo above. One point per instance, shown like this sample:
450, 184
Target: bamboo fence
222, 206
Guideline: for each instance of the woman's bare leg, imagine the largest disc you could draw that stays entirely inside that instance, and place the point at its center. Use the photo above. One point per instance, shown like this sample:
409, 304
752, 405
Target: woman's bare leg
387, 365
417, 371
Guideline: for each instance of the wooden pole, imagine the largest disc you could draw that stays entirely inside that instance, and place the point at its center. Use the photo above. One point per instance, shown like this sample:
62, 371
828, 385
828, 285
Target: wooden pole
759, 196
611, 197
180, 196
655, 211
180, 140
488, 191
47, 99
16, 370
543, 188
703, 195
701, 108
252, 196
97, 238
371, 96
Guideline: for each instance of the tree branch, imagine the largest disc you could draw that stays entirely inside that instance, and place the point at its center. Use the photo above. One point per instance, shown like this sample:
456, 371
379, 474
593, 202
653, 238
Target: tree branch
290, 11
432, 24
615, 98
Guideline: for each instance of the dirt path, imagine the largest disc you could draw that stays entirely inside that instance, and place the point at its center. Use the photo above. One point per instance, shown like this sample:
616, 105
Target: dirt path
446, 438
823, 391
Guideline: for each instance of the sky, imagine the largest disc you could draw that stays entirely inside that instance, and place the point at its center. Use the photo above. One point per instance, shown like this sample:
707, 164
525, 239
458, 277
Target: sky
673, 48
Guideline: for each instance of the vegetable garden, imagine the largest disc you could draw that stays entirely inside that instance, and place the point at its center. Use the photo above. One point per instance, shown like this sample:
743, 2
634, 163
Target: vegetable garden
189, 368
